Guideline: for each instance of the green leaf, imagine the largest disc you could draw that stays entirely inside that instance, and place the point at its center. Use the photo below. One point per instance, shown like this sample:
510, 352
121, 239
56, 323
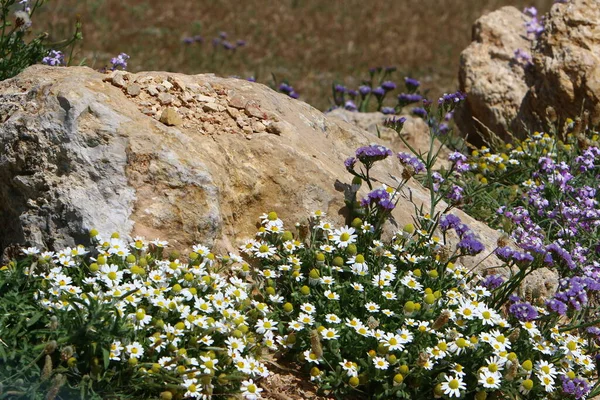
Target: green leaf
106, 356
36, 317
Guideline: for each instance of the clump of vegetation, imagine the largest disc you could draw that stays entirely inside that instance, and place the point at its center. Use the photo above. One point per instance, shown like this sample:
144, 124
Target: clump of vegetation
19, 48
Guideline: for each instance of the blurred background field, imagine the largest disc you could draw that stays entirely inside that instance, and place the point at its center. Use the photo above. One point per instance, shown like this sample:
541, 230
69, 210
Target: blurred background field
308, 43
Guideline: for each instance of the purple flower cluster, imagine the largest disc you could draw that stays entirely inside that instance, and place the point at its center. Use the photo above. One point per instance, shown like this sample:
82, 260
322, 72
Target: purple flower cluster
388, 86
460, 162
349, 163
221, 41
405, 99
508, 254
573, 291
455, 194
379, 92
492, 281
54, 58
193, 39
533, 26
410, 160
419, 112
379, 197
523, 311
411, 84
350, 105
577, 387
288, 89
370, 154
119, 61
522, 57
437, 179
452, 98
469, 244
395, 123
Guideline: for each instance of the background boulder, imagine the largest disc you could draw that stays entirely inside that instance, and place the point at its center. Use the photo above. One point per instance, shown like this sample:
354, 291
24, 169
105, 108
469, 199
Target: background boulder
508, 93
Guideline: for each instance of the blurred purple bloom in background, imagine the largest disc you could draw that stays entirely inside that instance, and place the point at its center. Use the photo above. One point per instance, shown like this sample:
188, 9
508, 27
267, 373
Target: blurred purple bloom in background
54, 58
119, 61
411, 84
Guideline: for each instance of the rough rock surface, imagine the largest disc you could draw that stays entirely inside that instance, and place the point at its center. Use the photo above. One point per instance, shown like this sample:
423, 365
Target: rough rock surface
78, 152
563, 78
566, 62
493, 81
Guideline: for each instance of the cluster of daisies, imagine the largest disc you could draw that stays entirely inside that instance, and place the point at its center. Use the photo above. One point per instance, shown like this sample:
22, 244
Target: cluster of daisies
487, 164
185, 320
378, 319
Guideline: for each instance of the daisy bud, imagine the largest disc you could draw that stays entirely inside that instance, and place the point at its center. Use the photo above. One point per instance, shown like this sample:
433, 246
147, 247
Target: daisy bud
338, 261
166, 395
527, 365
429, 298
305, 290
354, 381
287, 236
272, 216
481, 395
438, 391
93, 233
115, 235
72, 362
352, 250
314, 372
356, 223
222, 379
398, 379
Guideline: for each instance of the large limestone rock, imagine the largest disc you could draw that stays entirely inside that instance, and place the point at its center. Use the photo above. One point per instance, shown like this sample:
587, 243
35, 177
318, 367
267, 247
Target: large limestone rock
567, 63
78, 150
507, 95
494, 83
